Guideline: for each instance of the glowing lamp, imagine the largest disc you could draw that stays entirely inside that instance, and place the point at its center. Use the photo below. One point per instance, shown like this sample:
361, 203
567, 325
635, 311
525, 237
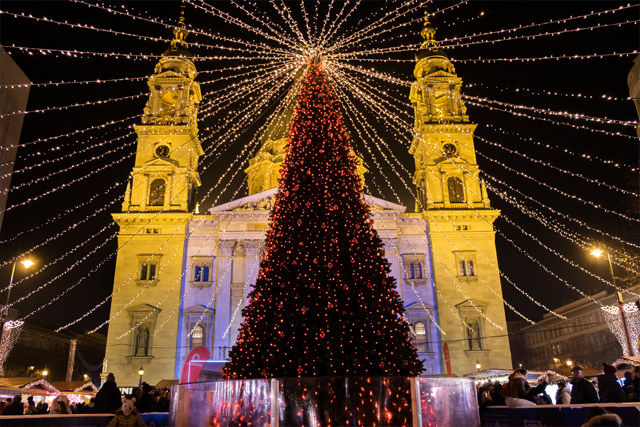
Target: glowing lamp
597, 252
27, 263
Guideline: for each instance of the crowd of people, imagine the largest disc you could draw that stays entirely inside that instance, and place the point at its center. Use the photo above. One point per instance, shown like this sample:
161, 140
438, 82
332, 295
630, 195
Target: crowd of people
606, 389
108, 400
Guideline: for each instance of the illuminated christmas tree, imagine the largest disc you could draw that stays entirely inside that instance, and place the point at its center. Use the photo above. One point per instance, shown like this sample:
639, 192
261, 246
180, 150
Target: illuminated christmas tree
324, 303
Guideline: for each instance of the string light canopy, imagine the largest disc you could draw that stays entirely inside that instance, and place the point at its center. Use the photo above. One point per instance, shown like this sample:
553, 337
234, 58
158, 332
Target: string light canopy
272, 42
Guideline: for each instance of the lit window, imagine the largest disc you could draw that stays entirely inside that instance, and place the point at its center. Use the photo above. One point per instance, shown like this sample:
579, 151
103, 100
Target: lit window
456, 191
197, 336
421, 336
147, 271
470, 268
466, 268
156, 192
201, 273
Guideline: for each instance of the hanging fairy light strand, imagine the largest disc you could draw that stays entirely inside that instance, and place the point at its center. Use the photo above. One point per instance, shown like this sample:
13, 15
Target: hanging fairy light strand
369, 101
574, 265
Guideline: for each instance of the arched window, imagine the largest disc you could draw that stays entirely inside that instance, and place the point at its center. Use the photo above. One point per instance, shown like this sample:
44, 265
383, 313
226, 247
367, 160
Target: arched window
205, 273
412, 271
456, 191
197, 273
156, 192
421, 336
197, 336
419, 270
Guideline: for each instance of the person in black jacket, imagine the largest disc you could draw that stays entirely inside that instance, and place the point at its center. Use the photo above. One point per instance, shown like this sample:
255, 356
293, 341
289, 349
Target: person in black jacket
16, 408
108, 399
610, 389
582, 391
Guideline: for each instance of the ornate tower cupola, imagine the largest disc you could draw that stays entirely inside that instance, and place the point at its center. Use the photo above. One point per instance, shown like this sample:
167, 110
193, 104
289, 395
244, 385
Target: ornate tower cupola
446, 171
453, 200
165, 175
436, 92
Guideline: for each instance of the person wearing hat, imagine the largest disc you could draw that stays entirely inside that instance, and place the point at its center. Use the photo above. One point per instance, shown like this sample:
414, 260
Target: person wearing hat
582, 391
610, 389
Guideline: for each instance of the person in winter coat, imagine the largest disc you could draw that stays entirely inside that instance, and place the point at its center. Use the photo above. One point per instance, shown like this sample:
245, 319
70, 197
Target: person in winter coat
582, 391
60, 405
109, 397
563, 395
15, 408
610, 389
127, 415
516, 391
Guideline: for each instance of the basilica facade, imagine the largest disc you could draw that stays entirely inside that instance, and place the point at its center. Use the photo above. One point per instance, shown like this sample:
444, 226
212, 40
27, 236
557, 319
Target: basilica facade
182, 277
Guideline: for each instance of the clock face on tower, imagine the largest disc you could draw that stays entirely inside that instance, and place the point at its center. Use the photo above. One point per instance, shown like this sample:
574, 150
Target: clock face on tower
449, 150
162, 151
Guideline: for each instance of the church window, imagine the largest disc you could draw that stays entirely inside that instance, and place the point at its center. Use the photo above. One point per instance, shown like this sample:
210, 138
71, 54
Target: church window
197, 273
456, 190
470, 268
147, 271
412, 271
197, 337
466, 268
419, 270
421, 336
205, 273
156, 192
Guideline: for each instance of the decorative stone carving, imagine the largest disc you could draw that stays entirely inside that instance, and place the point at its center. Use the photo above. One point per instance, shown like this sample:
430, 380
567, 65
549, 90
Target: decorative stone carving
253, 247
226, 247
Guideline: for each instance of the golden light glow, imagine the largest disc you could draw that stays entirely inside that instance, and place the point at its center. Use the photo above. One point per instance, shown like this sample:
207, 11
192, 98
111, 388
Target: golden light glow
141, 371
27, 263
45, 373
597, 252
569, 363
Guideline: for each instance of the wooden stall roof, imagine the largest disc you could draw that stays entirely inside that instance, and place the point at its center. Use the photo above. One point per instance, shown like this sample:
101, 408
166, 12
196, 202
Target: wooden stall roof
30, 384
75, 386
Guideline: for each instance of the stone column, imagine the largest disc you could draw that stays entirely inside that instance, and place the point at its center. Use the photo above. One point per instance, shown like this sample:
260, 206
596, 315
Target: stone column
223, 298
391, 252
253, 250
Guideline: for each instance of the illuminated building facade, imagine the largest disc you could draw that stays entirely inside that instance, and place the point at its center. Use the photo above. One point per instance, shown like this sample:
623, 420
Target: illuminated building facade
182, 277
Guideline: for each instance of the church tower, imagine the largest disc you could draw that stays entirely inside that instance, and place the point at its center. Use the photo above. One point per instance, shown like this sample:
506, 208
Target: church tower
452, 198
157, 208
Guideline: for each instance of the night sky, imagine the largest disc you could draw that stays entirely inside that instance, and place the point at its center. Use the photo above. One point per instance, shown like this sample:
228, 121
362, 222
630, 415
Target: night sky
95, 165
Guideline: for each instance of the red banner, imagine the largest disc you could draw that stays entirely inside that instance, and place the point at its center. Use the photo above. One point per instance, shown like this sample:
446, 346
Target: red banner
447, 358
193, 364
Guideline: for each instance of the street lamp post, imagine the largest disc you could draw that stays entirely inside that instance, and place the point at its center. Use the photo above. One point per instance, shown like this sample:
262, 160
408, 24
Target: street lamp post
27, 263
478, 365
598, 253
141, 373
